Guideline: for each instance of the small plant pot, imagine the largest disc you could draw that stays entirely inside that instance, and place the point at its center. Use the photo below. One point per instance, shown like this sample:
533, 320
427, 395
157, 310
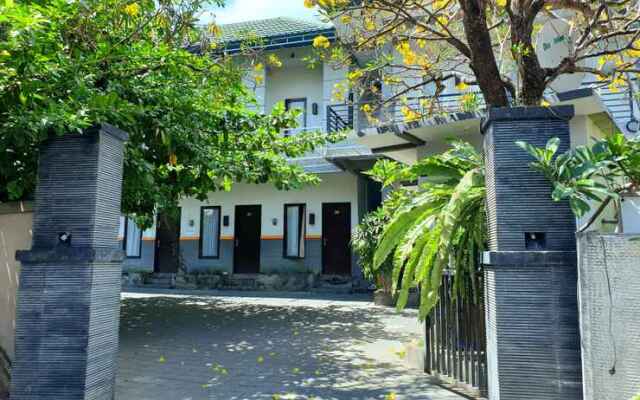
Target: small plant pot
631, 213
382, 298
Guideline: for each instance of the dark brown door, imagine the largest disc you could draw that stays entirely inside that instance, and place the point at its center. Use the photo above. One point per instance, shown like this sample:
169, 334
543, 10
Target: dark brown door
336, 235
167, 258
246, 254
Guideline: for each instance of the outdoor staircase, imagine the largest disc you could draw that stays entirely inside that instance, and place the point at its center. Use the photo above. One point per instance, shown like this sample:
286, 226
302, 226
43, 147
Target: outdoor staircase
333, 284
160, 280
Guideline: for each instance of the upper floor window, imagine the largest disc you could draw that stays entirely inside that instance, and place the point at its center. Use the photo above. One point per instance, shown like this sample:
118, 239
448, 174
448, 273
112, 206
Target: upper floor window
294, 230
132, 238
298, 104
210, 232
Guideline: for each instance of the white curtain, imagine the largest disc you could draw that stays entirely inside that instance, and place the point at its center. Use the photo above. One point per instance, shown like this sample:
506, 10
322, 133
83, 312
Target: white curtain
134, 235
295, 231
210, 232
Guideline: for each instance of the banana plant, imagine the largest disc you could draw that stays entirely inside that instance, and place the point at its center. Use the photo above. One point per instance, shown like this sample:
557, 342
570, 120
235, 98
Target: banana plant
440, 226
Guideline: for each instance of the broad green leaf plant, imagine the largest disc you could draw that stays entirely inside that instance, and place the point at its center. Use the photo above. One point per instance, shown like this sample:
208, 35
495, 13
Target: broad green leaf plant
439, 226
594, 174
68, 65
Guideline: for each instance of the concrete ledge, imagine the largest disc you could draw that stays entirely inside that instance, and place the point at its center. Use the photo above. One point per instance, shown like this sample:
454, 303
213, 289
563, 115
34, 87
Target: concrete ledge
529, 113
510, 259
70, 255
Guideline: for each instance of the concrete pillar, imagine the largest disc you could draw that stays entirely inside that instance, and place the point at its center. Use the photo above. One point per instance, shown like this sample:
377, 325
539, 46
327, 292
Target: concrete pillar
69, 297
533, 343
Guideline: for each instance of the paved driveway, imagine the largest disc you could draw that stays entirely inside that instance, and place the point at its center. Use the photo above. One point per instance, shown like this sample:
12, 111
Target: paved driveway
179, 347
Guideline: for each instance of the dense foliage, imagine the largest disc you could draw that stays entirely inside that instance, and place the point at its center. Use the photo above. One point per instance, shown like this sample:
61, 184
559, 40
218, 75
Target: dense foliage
67, 65
441, 225
599, 172
417, 47
367, 234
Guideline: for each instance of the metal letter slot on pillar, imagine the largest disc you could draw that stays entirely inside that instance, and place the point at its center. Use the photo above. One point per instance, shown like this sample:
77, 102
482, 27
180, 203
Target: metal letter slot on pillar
69, 296
533, 341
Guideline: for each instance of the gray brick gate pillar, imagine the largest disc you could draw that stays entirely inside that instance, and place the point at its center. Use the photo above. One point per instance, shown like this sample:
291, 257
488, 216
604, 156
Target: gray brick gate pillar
533, 344
69, 297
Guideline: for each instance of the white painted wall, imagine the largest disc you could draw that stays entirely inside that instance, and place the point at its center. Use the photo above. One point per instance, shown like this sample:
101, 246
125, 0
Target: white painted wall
292, 81
147, 234
335, 188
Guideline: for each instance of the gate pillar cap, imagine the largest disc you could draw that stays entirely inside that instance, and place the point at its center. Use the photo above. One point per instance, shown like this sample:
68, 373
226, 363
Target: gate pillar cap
563, 112
74, 255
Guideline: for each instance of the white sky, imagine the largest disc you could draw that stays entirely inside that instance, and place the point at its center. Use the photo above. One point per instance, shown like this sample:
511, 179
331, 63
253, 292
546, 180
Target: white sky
247, 10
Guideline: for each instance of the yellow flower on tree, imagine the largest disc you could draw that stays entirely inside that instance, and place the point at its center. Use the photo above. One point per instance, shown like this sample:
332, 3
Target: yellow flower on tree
635, 51
366, 108
132, 9
259, 79
321, 42
274, 61
438, 4
409, 114
258, 67
409, 57
462, 86
309, 3
345, 19
215, 30
369, 24
390, 396
355, 75
501, 3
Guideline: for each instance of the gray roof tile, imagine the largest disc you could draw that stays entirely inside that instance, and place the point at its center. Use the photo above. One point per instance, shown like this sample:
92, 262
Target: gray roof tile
269, 28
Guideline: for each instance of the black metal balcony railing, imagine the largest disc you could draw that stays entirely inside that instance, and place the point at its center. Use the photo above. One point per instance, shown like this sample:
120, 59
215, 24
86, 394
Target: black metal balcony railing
368, 114
353, 115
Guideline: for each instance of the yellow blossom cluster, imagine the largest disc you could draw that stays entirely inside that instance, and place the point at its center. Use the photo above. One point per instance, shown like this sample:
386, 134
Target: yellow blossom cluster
321, 42
339, 92
325, 3
132, 9
409, 114
635, 51
274, 61
355, 75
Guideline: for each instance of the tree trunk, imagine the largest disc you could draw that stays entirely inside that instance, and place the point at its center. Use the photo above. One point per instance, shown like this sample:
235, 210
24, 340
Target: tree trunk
532, 74
483, 61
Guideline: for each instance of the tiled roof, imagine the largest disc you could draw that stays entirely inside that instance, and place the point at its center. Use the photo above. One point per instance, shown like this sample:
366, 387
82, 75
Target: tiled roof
269, 28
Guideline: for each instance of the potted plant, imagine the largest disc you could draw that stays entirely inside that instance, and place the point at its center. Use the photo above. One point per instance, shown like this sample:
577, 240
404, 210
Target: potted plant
604, 173
364, 241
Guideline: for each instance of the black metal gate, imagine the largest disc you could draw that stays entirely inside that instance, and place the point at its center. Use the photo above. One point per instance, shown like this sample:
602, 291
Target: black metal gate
455, 338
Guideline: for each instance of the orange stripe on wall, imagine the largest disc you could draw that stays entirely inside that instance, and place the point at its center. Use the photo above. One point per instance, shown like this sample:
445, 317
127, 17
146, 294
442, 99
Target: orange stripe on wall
271, 237
264, 237
189, 237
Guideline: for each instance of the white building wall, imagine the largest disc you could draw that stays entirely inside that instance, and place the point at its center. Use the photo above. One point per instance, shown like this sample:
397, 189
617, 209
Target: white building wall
295, 82
335, 188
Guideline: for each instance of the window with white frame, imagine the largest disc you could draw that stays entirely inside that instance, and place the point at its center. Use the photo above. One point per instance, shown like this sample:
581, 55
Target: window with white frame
294, 230
132, 238
210, 232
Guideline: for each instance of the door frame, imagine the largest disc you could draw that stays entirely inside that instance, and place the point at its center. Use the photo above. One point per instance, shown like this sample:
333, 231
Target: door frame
235, 235
287, 104
350, 255
156, 243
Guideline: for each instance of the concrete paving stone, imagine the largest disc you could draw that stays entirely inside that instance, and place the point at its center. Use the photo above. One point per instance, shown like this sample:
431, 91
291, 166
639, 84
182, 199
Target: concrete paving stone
237, 346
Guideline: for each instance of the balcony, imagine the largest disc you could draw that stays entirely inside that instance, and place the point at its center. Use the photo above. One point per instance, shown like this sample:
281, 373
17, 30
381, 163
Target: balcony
348, 116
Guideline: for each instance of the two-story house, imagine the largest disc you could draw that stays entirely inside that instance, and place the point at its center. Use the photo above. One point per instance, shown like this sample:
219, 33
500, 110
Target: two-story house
257, 229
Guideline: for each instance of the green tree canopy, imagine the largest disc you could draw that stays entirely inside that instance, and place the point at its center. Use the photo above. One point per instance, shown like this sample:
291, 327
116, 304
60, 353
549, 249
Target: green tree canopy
68, 65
